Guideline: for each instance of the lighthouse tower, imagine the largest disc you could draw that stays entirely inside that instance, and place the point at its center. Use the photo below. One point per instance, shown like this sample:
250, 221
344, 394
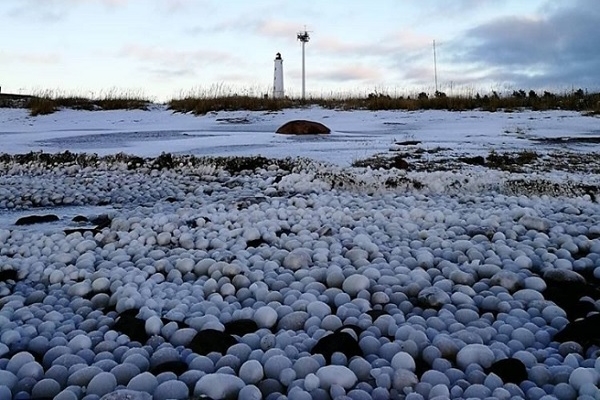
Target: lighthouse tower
278, 77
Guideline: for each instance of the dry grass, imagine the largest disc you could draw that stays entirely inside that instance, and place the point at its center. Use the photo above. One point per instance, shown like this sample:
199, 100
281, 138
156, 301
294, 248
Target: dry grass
48, 102
202, 103
222, 98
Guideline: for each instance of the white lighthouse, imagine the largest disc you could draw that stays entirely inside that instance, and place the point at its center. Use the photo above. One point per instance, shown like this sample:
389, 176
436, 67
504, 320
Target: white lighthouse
278, 77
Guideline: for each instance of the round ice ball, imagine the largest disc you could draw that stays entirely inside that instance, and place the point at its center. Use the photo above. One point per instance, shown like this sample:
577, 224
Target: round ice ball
265, 317
47, 388
80, 342
251, 372
219, 386
475, 354
403, 360
101, 384
581, 376
355, 283
297, 259
336, 375
171, 389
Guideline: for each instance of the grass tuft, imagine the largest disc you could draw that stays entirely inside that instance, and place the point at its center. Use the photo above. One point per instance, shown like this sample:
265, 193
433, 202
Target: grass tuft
49, 102
202, 105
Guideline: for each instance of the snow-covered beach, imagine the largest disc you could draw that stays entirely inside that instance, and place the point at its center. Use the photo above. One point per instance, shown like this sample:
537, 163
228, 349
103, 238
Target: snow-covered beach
183, 276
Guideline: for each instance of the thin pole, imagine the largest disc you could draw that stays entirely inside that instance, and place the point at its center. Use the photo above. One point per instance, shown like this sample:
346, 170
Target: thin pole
303, 37
303, 73
435, 67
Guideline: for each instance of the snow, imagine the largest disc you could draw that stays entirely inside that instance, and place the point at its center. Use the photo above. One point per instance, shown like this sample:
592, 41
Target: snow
355, 134
450, 275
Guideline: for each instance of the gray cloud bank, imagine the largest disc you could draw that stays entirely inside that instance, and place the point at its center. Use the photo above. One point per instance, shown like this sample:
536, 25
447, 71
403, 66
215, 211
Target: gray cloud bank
557, 49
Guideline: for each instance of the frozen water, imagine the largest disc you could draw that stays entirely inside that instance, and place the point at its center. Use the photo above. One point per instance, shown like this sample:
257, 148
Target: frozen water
336, 375
475, 354
251, 372
102, 384
355, 283
219, 386
171, 390
454, 269
403, 360
582, 376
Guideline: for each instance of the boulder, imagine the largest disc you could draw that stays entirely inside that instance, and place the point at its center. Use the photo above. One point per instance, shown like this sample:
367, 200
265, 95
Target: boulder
303, 127
37, 219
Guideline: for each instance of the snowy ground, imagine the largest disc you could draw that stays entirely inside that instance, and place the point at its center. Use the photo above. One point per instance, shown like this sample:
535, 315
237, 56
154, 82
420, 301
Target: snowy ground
181, 277
356, 134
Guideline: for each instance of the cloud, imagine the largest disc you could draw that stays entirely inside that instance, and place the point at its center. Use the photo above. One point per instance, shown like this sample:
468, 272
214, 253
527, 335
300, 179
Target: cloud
162, 55
348, 73
47, 11
169, 73
557, 48
174, 6
111, 3
54, 11
269, 28
395, 48
276, 28
30, 58
170, 63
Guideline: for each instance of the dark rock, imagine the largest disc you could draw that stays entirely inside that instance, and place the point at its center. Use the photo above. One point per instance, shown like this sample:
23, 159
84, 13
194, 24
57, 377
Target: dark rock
341, 342
563, 275
566, 289
303, 127
101, 221
128, 324
256, 242
585, 331
177, 367
476, 160
510, 370
210, 340
37, 219
241, 327
408, 143
8, 275
80, 219
399, 163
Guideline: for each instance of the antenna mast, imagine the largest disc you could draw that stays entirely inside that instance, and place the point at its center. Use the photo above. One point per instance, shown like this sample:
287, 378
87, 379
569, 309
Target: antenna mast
435, 68
304, 38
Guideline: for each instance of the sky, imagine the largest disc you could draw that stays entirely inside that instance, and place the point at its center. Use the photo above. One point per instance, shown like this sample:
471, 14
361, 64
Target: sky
164, 49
